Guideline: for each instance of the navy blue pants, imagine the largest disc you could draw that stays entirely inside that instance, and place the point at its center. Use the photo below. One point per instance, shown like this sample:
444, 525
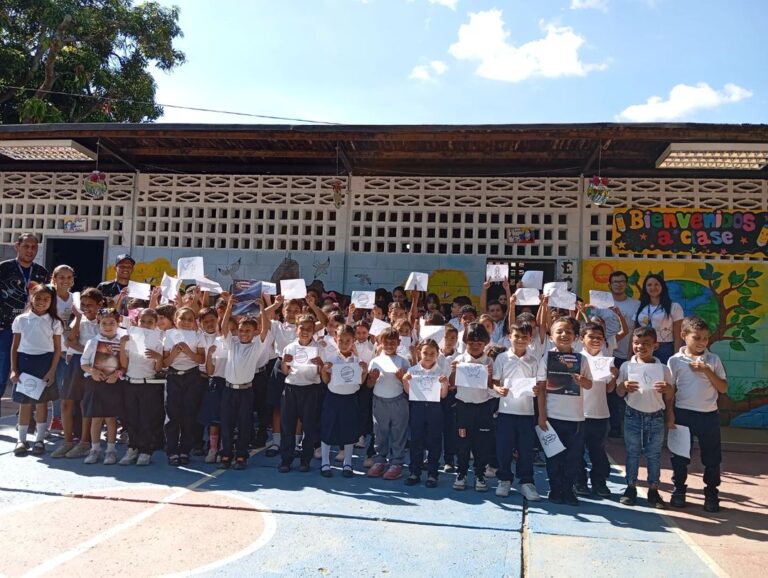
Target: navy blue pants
300, 402
515, 432
476, 421
450, 438
236, 411
182, 403
706, 427
563, 468
595, 434
426, 422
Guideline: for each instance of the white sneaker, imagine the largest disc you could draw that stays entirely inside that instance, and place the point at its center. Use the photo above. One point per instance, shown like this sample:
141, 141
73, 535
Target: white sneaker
529, 492
340, 456
481, 485
210, 457
130, 456
490, 472
110, 457
92, 457
502, 490
79, 451
460, 482
143, 460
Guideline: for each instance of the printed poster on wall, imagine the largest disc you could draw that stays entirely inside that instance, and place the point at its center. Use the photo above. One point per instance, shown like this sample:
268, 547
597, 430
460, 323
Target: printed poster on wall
690, 231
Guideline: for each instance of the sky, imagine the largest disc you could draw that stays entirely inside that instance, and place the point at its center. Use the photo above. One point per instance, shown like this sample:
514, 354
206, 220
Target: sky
469, 61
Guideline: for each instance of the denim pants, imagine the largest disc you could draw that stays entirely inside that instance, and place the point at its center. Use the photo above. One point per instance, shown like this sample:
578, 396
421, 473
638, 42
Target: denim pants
515, 432
706, 427
643, 435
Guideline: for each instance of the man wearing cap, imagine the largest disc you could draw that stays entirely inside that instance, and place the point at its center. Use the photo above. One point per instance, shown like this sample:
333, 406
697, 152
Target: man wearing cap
17, 277
123, 270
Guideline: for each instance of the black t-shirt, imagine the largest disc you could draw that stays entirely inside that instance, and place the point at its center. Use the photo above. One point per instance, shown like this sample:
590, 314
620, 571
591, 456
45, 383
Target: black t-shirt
111, 288
13, 293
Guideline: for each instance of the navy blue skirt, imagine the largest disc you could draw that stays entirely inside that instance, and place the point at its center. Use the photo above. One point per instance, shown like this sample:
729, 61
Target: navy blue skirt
102, 399
37, 365
339, 419
74, 382
210, 409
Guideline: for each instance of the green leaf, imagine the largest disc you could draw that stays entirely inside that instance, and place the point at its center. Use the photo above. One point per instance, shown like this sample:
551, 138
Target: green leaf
717, 275
716, 284
744, 291
736, 332
737, 346
752, 283
734, 278
705, 273
741, 311
754, 274
750, 319
747, 304
735, 318
749, 339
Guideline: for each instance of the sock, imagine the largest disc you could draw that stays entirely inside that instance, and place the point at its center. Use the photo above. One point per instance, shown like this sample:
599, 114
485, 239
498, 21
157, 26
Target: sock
40, 434
298, 439
96, 447
326, 457
276, 438
348, 454
22, 433
111, 447
214, 441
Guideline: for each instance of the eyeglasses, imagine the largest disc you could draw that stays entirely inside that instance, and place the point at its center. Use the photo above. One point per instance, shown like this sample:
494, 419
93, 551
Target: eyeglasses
619, 282
107, 311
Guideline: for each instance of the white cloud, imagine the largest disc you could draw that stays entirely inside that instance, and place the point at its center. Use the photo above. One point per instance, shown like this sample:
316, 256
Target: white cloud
589, 4
447, 3
428, 72
485, 39
683, 100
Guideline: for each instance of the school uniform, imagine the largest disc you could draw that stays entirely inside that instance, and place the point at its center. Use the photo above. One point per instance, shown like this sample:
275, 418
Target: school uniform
237, 396
390, 410
696, 408
35, 352
301, 400
596, 422
183, 394
474, 415
338, 422
566, 416
101, 399
264, 367
74, 383
282, 333
143, 391
210, 408
515, 422
426, 423
655, 316
64, 309
448, 405
366, 351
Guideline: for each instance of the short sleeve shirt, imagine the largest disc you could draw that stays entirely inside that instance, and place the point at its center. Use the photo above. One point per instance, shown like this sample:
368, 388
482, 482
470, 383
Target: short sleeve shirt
560, 406
694, 390
387, 385
647, 401
507, 367
36, 332
656, 317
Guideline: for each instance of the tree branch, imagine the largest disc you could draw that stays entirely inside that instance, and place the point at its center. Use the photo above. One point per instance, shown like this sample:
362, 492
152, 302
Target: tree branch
50, 62
34, 65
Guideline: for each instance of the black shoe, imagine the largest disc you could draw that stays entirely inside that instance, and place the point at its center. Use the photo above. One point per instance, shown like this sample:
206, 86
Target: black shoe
272, 452
581, 489
449, 468
284, 468
226, 462
240, 464
614, 433
431, 482
326, 472
347, 472
601, 489
304, 467
412, 480
183, 459
678, 499
711, 505
174, 460
198, 452
630, 496
654, 499
555, 497
259, 443
570, 499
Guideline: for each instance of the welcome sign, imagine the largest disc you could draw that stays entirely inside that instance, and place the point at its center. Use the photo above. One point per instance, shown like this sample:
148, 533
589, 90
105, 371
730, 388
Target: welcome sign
702, 231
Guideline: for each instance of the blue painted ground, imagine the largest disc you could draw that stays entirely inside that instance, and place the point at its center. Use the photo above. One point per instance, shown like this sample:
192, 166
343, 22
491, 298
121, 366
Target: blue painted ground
365, 527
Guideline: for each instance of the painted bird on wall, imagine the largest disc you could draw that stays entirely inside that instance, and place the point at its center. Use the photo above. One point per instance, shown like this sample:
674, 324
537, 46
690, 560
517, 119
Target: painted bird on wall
321, 267
230, 269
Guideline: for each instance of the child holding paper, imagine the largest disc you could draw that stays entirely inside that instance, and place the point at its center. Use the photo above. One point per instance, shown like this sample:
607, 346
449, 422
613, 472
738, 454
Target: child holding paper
513, 371
426, 415
596, 412
450, 438
699, 377
564, 408
35, 352
649, 393
390, 408
302, 396
474, 408
339, 419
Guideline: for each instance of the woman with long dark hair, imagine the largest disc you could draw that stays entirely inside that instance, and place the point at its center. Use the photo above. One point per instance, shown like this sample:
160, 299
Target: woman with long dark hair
657, 310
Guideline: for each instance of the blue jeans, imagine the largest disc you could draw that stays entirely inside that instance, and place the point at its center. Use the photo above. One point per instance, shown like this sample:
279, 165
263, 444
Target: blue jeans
6, 339
643, 435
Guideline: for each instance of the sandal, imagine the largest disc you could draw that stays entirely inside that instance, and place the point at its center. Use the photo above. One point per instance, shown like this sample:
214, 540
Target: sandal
326, 472
347, 472
174, 460
21, 449
38, 449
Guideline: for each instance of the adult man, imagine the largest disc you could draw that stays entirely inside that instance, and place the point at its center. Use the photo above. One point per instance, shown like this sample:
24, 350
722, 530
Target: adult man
617, 284
17, 276
123, 270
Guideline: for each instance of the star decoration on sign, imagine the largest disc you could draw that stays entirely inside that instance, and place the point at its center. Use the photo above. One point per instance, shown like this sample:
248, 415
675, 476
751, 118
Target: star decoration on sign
743, 240
643, 236
693, 249
621, 245
723, 251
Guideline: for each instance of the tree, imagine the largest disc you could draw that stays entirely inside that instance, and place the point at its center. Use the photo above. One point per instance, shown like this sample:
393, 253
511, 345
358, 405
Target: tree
99, 50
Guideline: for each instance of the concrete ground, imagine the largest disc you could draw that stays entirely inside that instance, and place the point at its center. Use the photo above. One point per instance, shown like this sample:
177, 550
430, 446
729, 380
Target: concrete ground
62, 517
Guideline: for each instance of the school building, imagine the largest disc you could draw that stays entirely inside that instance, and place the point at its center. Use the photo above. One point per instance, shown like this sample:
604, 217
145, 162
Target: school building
359, 207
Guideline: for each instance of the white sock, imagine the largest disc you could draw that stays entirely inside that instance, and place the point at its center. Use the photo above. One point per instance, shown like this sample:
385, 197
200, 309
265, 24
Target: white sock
348, 454
325, 449
298, 439
96, 446
276, 438
23, 433
111, 447
41, 431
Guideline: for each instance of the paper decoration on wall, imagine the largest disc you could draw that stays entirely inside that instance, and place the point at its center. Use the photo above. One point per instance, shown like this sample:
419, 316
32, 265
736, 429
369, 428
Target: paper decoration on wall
95, 185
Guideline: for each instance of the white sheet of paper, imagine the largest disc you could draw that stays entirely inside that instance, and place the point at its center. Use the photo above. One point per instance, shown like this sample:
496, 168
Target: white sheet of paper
424, 387
525, 296
76, 300
533, 279
600, 367
553, 286
496, 273
378, 326
474, 375
304, 355
346, 377
679, 441
144, 339
190, 268
436, 332
169, 287
183, 336
139, 290
550, 442
30, 386
208, 285
601, 299
268, 288
418, 281
363, 299
293, 288
520, 386
646, 374
562, 300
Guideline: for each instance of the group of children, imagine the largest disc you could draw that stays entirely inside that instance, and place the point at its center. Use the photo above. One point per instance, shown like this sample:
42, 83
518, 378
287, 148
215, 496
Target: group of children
471, 389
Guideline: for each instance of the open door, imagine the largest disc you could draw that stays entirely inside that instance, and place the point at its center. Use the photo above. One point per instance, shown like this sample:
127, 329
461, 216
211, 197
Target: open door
85, 256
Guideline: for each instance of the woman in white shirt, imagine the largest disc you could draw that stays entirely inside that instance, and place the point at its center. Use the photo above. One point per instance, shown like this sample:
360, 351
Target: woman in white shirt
658, 311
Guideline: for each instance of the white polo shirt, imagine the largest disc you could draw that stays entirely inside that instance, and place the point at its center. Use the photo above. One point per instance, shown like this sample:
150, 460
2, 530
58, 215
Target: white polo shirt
471, 394
596, 398
561, 406
387, 386
694, 390
243, 359
301, 374
507, 367
139, 365
36, 332
192, 338
647, 401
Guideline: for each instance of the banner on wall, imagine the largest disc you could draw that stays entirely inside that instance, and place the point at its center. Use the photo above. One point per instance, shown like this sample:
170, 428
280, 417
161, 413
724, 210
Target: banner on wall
690, 231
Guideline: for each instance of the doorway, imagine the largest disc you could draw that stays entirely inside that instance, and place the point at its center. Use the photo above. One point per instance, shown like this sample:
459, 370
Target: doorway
85, 256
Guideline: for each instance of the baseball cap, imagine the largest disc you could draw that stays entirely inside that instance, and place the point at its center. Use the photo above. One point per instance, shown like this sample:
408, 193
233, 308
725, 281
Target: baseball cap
124, 257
